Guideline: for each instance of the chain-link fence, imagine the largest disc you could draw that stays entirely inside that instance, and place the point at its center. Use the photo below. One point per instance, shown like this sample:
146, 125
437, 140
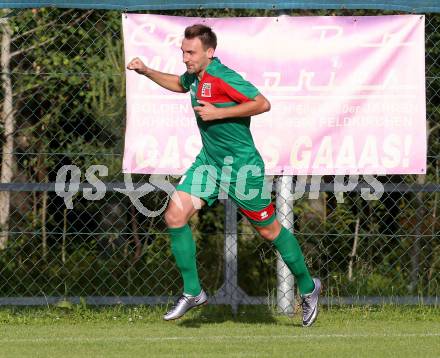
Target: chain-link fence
63, 103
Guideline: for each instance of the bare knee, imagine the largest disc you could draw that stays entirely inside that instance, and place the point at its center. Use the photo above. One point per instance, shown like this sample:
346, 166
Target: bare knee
175, 217
269, 232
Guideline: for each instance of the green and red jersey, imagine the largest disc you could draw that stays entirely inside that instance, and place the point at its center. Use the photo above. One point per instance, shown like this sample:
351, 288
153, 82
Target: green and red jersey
229, 137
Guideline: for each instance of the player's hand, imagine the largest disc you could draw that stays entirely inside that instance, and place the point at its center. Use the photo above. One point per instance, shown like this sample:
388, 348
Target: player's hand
137, 65
207, 111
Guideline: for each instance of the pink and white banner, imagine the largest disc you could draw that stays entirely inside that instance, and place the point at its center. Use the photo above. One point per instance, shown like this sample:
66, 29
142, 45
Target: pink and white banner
347, 93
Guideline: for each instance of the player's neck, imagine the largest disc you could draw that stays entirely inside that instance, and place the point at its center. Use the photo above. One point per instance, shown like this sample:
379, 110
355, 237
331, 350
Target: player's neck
202, 72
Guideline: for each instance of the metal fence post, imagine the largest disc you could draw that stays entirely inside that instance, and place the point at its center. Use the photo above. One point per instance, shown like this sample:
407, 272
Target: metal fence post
229, 293
285, 280
230, 250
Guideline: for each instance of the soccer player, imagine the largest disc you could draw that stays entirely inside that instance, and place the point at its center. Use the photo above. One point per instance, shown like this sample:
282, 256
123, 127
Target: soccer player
228, 162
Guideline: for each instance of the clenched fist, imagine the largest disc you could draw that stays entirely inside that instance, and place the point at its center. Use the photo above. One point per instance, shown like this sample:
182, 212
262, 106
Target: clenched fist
137, 65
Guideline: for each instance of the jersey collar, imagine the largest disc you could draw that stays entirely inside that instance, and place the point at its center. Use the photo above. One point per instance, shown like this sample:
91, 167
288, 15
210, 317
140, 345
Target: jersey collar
214, 62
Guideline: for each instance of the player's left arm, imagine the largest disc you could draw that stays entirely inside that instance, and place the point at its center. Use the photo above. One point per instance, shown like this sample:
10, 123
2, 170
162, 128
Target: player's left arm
209, 112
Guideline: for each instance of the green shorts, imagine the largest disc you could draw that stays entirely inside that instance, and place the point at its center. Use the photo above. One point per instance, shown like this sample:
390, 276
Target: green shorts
252, 195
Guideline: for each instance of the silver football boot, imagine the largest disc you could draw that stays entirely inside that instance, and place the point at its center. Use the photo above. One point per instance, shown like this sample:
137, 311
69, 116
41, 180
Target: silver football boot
310, 304
184, 303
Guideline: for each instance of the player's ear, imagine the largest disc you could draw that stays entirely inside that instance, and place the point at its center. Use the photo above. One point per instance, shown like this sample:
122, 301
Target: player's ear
210, 53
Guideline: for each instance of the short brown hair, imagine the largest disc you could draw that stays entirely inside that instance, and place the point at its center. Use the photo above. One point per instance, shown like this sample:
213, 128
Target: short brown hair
204, 33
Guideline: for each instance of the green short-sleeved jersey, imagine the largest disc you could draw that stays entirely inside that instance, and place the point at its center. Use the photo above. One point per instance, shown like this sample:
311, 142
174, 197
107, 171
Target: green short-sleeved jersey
230, 137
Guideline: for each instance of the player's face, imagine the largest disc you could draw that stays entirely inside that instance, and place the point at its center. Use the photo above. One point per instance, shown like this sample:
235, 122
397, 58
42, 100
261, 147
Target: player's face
195, 57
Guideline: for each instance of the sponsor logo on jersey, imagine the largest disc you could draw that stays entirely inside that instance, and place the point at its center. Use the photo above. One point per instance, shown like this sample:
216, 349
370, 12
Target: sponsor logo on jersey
206, 89
264, 214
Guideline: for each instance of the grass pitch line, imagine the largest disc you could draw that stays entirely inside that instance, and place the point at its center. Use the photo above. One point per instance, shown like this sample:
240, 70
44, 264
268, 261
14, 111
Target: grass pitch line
207, 338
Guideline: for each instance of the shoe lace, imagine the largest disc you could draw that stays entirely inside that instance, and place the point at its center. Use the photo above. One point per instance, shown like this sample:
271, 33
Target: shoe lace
306, 305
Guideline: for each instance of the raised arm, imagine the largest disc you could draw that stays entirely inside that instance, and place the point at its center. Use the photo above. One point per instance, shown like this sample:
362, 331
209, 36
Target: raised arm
165, 80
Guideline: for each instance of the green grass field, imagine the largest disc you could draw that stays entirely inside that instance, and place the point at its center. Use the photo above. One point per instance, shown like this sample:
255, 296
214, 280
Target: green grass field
76, 331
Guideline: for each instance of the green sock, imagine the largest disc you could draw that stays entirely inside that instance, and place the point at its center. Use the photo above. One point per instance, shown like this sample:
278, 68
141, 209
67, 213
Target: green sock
289, 249
184, 251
